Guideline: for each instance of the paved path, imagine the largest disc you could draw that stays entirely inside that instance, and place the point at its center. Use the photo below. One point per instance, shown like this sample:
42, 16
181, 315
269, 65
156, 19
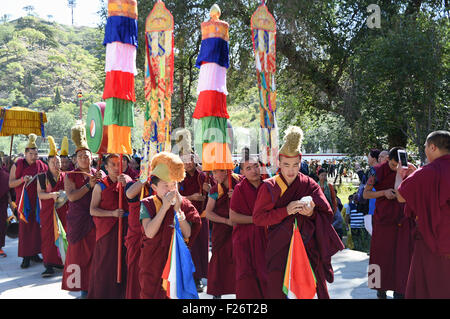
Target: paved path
350, 272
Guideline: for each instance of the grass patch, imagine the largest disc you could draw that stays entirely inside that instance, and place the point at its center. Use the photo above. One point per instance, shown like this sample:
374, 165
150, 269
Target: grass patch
344, 190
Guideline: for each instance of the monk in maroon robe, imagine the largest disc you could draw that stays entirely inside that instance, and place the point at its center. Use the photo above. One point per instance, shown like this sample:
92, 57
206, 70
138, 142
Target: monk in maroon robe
276, 207
157, 218
279, 204
221, 268
49, 185
391, 243
106, 213
249, 240
22, 172
426, 192
4, 200
195, 187
66, 164
127, 169
133, 240
80, 231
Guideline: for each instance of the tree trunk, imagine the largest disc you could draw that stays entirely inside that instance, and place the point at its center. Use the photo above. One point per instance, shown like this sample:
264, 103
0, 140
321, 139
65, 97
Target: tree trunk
182, 98
397, 137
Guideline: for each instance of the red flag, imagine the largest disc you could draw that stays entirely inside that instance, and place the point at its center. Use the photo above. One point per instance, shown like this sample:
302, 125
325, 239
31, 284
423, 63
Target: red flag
299, 280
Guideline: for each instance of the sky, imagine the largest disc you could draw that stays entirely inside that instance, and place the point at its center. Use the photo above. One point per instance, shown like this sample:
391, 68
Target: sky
84, 13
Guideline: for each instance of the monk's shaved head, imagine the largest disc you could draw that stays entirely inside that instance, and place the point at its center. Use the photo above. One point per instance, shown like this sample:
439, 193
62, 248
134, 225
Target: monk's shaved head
441, 139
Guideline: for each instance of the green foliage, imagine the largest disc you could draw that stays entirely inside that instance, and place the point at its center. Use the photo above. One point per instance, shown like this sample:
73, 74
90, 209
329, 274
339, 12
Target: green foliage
349, 87
42, 65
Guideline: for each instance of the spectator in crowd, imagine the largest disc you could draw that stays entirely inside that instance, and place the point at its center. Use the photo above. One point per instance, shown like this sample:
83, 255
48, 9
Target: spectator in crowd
355, 219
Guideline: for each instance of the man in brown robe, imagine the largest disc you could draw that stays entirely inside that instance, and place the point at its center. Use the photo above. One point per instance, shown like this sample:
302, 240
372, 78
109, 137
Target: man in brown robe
21, 179
391, 243
80, 231
48, 189
278, 205
426, 192
106, 213
221, 268
249, 240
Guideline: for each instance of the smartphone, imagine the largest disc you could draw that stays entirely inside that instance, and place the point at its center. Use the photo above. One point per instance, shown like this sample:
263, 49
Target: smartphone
403, 158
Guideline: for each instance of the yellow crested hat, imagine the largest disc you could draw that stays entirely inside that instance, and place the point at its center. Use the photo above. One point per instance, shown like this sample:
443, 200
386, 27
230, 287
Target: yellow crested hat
167, 167
79, 137
31, 141
65, 146
52, 145
292, 142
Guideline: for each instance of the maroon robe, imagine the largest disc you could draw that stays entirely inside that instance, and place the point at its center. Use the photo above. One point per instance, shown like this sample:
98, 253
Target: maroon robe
390, 247
427, 194
133, 243
155, 250
249, 246
50, 252
80, 234
29, 232
103, 278
221, 267
319, 237
4, 191
200, 247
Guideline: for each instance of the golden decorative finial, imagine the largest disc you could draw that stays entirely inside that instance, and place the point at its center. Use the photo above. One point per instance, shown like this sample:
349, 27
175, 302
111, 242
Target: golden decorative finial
215, 12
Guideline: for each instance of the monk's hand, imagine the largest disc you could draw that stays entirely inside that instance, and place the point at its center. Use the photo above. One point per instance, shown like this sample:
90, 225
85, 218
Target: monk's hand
178, 200
293, 207
307, 209
27, 178
411, 168
206, 187
169, 200
405, 172
390, 193
180, 215
229, 222
122, 180
118, 212
55, 195
230, 193
92, 180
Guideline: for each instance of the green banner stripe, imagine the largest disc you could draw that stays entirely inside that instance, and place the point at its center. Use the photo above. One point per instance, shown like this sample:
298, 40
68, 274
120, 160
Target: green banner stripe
119, 112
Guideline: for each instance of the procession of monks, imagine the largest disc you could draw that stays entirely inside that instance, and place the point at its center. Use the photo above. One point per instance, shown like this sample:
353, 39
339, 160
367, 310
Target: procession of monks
252, 222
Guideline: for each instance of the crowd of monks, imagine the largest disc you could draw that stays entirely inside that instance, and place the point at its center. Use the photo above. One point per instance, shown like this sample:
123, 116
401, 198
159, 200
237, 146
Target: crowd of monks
251, 217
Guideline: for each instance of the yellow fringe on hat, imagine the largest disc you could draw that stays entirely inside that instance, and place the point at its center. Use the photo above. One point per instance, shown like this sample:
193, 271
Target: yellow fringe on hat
52, 145
65, 146
292, 142
79, 137
31, 141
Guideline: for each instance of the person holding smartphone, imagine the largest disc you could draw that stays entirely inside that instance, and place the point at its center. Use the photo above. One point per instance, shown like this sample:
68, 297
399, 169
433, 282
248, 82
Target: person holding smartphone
426, 192
391, 246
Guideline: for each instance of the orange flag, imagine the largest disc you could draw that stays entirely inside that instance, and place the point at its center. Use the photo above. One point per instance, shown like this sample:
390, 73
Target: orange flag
299, 280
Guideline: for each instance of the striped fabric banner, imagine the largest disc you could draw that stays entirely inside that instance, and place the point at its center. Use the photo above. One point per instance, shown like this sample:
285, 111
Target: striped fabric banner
211, 108
120, 65
214, 77
120, 57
